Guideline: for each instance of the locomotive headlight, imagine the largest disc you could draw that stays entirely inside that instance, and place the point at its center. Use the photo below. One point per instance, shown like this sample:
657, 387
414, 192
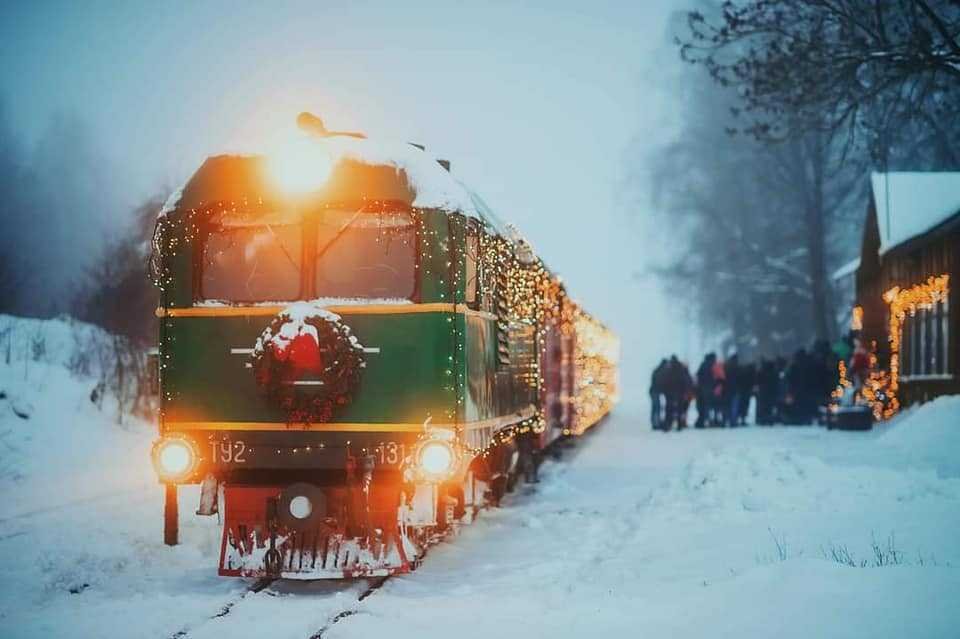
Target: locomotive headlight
299, 166
437, 459
174, 458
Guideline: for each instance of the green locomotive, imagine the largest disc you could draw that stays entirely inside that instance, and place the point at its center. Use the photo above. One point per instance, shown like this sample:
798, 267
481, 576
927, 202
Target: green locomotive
355, 355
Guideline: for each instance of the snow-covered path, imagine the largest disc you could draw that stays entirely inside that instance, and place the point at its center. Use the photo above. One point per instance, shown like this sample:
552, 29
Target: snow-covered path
633, 532
677, 535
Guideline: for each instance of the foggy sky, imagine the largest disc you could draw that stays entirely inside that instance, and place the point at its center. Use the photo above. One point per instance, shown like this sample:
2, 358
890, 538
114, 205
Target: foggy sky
543, 110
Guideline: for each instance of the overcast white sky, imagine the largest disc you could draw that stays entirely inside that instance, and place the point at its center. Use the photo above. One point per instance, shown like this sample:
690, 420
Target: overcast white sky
543, 109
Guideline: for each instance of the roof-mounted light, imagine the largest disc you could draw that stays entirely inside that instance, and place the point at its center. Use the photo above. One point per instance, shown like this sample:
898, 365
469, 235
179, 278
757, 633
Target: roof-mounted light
300, 166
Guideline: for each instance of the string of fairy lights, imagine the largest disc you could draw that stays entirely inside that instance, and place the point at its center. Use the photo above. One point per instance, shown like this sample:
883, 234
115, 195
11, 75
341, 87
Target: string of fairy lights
881, 388
511, 280
183, 229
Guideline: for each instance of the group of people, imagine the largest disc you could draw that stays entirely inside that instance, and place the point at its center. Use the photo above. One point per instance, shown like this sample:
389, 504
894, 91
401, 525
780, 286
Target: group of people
789, 391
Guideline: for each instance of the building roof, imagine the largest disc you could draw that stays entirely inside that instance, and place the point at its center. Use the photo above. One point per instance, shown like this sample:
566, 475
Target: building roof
909, 204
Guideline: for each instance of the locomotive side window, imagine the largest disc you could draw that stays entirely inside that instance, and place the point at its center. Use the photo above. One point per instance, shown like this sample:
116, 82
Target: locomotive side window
472, 274
487, 277
366, 255
252, 263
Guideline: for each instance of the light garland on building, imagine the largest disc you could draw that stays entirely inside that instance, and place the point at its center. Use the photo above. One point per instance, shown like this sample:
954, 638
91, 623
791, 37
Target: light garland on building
856, 319
903, 302
842, 381
880, 389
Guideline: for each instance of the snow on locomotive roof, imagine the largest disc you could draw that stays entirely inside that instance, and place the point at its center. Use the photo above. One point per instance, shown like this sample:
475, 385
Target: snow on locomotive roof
432, 186
909, 204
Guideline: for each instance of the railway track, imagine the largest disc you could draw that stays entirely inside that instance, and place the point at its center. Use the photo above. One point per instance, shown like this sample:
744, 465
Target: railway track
188, 630
255, 587
332, 618
343, 614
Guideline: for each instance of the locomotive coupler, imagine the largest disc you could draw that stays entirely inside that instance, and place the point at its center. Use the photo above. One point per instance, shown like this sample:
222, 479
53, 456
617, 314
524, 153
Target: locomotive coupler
209, 496
359, 480
272, 560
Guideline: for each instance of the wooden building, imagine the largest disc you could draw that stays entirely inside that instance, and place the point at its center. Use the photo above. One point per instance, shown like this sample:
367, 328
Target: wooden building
907, 284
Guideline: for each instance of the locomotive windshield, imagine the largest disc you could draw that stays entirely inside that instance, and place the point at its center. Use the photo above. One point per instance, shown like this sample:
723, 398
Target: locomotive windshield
252, 263
365, 254
353, 254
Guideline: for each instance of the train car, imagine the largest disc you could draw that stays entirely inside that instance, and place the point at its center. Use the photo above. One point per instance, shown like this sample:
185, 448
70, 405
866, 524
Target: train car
355, 355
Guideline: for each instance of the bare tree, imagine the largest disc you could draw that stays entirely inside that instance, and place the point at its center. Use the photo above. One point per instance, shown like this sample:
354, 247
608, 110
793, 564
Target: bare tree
57, 204
12, 281
822, 88
757, 226
862, 66
117, 294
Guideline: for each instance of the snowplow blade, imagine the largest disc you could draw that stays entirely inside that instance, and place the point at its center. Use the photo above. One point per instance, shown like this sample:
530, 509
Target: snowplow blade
254, 545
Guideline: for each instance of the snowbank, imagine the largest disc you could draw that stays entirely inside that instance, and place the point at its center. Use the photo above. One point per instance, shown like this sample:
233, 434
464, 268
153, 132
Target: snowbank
80, 513
748, 532
730, 533
59, 341
927, 435
58, 445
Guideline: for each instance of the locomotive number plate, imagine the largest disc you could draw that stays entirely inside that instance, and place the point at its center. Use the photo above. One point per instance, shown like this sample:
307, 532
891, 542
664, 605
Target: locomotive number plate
390, 453
228, 452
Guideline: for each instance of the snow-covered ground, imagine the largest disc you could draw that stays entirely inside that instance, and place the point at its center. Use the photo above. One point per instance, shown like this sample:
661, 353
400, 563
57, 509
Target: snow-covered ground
752, 532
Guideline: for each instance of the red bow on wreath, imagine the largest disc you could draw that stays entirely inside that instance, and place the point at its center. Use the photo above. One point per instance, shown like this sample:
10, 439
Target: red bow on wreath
302, 354
308, 363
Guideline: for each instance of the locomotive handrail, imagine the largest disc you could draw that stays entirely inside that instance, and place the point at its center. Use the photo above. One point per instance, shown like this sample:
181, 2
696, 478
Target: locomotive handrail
403, 427
345, 309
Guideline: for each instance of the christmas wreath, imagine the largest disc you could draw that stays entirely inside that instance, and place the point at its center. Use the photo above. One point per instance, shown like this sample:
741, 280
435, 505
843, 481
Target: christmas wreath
308, 363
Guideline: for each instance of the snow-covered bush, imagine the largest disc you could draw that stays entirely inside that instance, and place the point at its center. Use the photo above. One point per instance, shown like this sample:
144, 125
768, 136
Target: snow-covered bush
117, 366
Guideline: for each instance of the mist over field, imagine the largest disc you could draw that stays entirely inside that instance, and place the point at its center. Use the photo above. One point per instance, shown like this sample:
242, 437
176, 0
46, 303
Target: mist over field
553, 138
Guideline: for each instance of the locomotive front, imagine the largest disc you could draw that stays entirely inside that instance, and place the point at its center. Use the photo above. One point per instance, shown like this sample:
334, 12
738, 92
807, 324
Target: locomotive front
310, 333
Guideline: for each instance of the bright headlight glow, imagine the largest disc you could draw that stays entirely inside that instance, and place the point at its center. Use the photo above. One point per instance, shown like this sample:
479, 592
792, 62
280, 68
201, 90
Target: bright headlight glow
173, 458
436, 458
300, 166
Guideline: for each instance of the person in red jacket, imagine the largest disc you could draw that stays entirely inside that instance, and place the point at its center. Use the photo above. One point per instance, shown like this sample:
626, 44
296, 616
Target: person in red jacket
717, 401
859, 368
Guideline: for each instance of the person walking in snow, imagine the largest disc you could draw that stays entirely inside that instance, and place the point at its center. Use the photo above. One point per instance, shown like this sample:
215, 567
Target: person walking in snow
859, 366
747, 380
656, 393
717, 398
686, 394
768, 381
677, 389
731, 391
802, 382
705, 387
825, 372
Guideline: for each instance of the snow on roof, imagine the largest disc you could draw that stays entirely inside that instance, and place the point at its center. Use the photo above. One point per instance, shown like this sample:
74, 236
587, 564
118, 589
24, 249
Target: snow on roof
909, 204
171, 202
847, 269
433, 186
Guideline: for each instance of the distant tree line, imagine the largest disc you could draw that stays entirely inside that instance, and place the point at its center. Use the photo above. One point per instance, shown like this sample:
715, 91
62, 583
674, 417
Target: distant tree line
66, 245
116, 292
766, 182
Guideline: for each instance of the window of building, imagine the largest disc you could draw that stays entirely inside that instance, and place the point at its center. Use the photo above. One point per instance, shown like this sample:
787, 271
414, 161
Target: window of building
925, 342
